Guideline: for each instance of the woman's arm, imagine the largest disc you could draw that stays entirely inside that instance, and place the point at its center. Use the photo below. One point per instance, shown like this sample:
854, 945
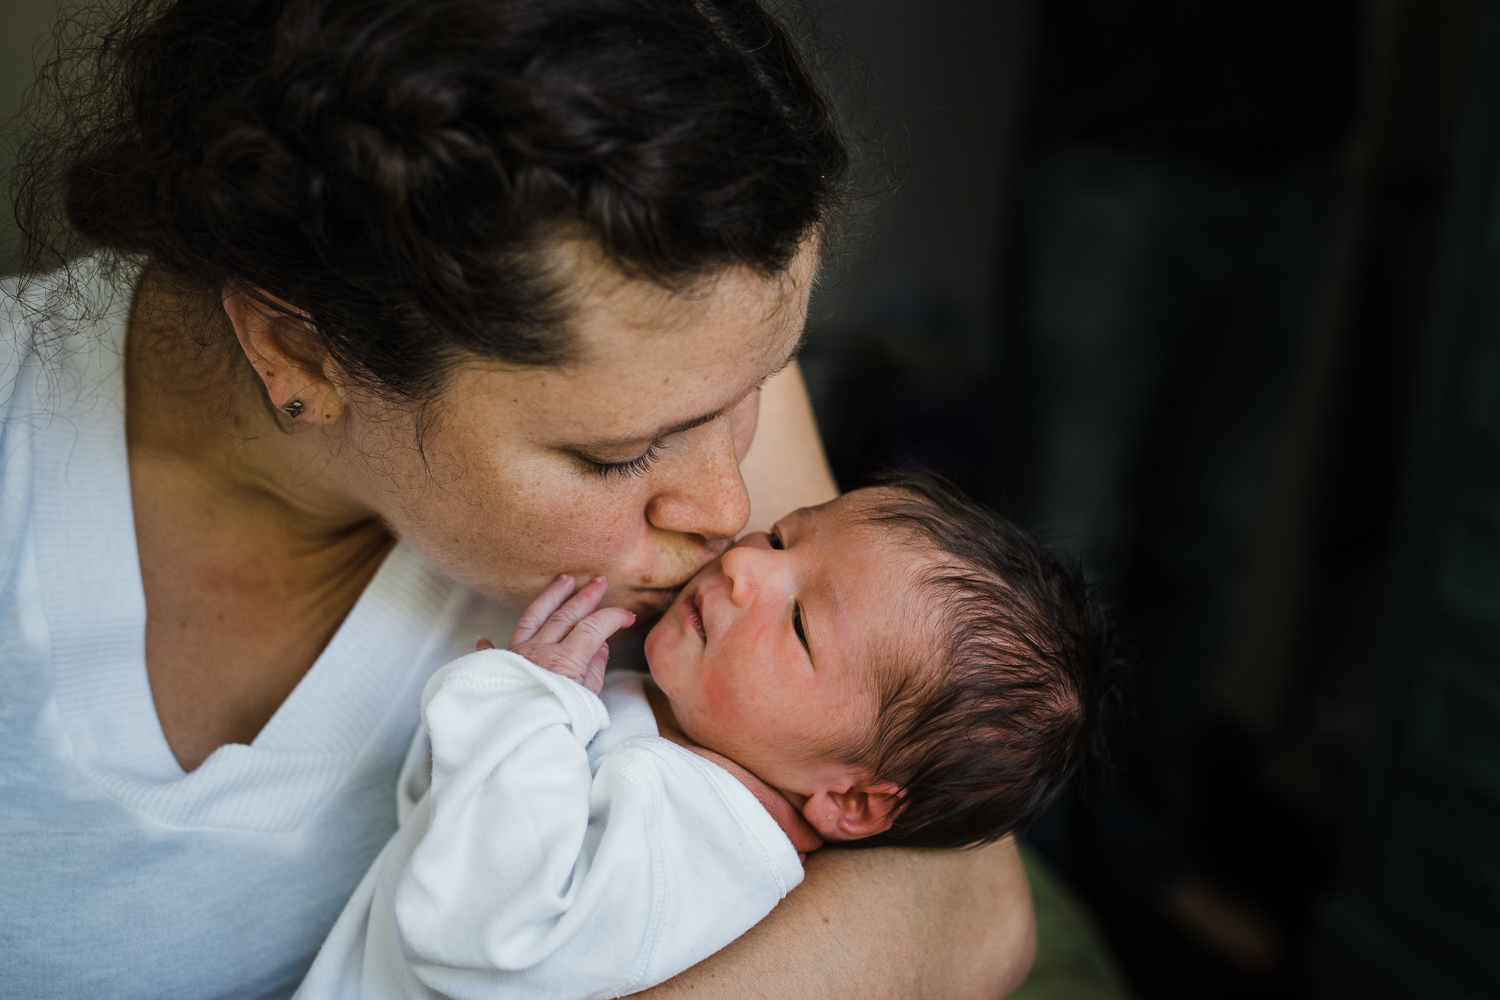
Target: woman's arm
882, 923
785, 467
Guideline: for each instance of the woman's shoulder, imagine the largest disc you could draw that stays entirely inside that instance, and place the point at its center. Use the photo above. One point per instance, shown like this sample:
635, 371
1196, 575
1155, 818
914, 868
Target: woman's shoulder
22, 301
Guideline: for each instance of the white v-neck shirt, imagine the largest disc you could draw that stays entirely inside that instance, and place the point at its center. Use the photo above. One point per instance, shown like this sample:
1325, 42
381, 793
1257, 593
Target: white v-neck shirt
121, 876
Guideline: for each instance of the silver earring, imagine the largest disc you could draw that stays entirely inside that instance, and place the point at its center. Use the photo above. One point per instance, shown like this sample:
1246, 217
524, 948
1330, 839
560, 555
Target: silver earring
294, 407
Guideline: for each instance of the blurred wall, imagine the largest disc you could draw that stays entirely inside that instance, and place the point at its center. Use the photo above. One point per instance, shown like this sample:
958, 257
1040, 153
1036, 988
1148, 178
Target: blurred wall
23, 31
939, 84
1321, 544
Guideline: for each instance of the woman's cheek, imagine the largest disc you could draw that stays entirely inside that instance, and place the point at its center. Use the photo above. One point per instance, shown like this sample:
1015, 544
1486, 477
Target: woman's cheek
579, 525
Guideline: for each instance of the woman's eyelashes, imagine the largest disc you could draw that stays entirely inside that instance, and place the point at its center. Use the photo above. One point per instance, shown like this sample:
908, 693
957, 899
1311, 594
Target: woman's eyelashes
637, 466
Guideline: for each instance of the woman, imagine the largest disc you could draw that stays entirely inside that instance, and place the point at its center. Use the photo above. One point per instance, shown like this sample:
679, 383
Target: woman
414, 305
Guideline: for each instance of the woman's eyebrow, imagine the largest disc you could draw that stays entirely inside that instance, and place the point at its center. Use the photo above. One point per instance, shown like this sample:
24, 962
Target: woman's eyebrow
686, 425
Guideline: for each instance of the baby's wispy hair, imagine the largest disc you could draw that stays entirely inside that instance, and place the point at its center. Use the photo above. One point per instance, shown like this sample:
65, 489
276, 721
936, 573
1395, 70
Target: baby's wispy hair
1015, 703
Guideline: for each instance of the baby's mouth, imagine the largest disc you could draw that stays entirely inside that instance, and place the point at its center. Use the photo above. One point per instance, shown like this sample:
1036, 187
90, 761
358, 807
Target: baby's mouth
694, 615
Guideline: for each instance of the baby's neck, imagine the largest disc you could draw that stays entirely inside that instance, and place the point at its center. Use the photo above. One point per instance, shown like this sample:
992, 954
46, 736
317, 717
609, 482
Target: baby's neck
666, 719
782, 809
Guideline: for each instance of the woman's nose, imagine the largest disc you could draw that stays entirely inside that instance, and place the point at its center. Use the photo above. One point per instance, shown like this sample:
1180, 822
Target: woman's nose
702, 493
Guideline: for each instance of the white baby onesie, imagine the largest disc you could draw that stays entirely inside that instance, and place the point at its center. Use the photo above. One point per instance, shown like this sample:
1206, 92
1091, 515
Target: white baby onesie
564, 850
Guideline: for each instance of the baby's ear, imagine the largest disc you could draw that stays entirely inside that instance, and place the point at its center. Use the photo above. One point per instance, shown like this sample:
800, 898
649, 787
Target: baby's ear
861, 811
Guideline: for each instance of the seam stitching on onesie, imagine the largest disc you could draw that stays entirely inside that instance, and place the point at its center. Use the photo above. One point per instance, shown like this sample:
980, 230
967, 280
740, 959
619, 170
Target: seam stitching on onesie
712, 772
649, 787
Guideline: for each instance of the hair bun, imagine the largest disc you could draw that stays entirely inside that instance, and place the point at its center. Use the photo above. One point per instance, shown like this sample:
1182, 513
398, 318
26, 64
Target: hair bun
394, 168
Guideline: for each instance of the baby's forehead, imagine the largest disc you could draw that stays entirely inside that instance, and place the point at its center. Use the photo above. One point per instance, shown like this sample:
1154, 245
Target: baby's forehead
903, 568
877, 515
887, 586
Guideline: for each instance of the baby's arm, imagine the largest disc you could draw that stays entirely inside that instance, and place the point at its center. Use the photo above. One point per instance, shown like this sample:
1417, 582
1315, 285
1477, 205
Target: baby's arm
523, 874
537, 637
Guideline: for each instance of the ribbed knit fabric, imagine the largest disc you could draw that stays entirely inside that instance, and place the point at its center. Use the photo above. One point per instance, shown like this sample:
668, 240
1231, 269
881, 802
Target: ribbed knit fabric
123, 876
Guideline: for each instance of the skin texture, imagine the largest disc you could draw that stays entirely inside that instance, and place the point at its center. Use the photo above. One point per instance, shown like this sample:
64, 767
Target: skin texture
250, 520
257, 533
967, 932
768, 657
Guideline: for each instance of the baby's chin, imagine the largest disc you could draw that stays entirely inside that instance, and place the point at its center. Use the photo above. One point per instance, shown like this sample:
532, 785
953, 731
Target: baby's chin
652, 640
662, 660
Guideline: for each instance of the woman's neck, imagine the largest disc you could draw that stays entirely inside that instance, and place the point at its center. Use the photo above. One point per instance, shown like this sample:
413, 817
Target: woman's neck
252, 550
194, 405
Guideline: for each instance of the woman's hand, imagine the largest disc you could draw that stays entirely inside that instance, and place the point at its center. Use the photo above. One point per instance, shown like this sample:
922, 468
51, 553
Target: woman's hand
566, 634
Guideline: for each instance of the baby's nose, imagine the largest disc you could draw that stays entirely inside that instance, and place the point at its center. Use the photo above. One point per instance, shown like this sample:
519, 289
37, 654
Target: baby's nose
743, 567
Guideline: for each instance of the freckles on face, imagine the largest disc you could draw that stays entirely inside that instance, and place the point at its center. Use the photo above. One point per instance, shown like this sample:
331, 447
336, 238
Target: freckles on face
763, 699
520, 497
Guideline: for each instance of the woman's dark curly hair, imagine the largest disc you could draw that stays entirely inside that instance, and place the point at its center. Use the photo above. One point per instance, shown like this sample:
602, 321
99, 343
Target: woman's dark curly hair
398, 170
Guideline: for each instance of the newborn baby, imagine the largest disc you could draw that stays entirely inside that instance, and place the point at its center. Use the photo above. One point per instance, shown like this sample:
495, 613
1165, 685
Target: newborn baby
900, 665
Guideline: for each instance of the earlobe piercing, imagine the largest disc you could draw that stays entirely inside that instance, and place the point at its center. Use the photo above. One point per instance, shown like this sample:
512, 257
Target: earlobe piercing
294, 407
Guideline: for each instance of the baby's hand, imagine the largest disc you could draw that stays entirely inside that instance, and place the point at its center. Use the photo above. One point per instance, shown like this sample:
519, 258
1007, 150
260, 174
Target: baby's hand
566, 635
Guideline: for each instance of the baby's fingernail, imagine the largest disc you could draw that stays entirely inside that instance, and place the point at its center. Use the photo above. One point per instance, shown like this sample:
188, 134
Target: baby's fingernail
597, 579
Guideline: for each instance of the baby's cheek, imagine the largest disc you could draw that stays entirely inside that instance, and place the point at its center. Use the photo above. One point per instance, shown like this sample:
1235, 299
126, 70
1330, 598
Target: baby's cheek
721, 700
746, 688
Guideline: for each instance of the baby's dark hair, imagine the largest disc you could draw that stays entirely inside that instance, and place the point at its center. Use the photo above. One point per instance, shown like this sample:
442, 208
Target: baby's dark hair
1028, 673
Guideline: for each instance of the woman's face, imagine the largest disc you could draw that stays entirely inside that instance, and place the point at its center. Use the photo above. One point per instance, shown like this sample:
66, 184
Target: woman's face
625, 463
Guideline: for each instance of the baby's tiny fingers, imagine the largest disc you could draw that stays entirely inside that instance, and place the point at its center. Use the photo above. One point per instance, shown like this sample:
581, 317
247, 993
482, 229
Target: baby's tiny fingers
593, 675
560, 622
591, 633
483, 644
537, 612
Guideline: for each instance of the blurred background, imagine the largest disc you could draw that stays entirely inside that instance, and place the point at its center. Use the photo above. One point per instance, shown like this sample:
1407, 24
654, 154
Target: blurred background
1201, 292
1206, 293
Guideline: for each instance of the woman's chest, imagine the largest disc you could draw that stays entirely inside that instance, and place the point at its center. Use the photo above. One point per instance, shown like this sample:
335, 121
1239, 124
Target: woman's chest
224, 912
235, 619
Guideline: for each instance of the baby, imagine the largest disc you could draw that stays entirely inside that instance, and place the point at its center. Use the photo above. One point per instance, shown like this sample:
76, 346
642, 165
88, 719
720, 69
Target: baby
900, 664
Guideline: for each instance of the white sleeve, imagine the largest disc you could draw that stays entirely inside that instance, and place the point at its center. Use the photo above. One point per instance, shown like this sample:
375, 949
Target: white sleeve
534, 877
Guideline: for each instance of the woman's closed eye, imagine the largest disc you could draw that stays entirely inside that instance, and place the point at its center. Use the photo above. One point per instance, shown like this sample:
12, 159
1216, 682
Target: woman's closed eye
637, 466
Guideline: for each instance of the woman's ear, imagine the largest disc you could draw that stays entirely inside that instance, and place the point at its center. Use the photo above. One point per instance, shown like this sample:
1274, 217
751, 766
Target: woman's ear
860, 811
281, 347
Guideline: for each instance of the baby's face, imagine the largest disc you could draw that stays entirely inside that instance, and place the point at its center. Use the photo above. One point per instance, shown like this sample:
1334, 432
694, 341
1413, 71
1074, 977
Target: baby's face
766, 654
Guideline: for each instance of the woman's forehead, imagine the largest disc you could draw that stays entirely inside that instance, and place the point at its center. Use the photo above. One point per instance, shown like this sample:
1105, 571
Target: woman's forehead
649, 358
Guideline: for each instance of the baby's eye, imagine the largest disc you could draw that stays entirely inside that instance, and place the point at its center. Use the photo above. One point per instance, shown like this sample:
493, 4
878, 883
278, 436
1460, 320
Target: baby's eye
797, 626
